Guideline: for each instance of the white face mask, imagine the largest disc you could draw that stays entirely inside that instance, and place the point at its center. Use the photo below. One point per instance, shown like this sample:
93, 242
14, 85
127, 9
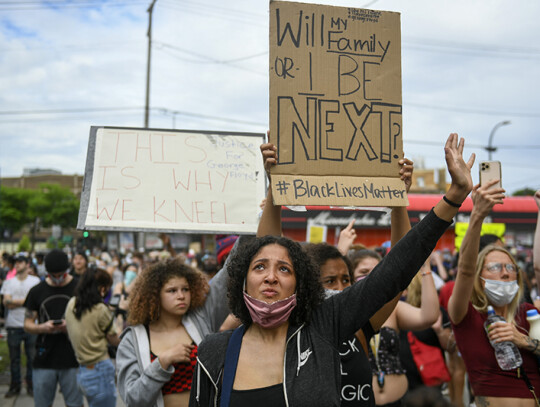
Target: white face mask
500, 293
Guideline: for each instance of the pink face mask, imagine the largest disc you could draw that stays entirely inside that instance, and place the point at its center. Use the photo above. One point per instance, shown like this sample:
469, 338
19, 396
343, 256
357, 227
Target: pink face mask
270, 315
359, 278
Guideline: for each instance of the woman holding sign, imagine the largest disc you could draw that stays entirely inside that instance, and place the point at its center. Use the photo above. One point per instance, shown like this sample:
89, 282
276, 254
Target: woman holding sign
286, 351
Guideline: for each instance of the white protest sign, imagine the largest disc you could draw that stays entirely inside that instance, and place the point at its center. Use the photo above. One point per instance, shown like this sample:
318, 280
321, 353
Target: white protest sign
172, 180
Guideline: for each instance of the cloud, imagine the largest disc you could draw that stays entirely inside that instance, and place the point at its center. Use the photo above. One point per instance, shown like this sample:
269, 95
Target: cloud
466, 66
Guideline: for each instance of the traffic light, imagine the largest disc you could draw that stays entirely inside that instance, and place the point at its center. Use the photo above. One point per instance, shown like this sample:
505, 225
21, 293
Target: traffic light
86, 234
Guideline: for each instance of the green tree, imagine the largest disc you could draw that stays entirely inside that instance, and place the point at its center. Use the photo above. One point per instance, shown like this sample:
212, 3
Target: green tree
50, 205
524, 192
14, 208
53, 205
24, 244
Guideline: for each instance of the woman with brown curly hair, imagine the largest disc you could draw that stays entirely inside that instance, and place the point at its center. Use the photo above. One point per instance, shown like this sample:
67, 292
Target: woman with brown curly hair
168, 317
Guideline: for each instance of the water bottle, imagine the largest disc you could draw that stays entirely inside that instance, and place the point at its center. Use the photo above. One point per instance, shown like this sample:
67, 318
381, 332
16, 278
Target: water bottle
506, 353
534, 321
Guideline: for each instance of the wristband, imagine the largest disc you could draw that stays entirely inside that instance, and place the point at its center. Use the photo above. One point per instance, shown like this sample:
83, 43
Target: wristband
425, 273
449, 202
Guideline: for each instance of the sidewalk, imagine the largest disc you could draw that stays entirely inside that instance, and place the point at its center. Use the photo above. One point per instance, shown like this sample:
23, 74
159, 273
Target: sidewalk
24, 400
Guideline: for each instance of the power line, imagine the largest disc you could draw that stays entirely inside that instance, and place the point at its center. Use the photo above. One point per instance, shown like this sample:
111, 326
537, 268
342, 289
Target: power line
189, 8
206, 59
472, 47
57, 5
70, 111
471, 110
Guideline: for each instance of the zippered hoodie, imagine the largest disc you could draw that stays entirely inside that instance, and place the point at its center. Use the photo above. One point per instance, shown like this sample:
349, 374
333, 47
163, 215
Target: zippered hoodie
311, 375
140, 380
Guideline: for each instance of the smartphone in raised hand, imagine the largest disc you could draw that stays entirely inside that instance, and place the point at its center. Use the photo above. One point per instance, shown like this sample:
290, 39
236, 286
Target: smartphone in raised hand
489, 171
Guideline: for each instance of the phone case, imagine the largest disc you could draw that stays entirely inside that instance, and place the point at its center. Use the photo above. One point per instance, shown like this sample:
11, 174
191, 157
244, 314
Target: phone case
490, 170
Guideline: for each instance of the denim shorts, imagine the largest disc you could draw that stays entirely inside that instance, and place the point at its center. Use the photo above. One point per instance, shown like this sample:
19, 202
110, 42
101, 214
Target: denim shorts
97, 384
45, 384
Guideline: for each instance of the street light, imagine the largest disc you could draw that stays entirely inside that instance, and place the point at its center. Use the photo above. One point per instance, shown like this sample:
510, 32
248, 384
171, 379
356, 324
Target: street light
490, 149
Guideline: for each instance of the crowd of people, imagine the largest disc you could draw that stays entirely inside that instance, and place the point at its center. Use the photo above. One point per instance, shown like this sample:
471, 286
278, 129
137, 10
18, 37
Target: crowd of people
269, 321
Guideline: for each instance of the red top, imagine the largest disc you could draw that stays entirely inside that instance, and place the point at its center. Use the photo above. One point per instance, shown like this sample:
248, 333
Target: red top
486, 377
445, 293
182, 377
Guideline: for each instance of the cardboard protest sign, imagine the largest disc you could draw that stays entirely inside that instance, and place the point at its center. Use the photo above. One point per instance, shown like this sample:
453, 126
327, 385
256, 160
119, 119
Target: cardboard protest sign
335, 105
170, 181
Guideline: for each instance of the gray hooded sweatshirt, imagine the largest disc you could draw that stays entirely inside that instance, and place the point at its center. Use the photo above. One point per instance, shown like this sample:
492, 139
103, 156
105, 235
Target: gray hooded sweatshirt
140, 380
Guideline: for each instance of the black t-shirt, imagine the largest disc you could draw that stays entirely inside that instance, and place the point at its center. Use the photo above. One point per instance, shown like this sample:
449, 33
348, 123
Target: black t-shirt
53, 351
356, 375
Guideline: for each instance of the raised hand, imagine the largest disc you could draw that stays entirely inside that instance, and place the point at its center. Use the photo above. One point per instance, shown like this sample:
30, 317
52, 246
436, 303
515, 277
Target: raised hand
406, 172
484, 198
346, 238
269, 153
460, 171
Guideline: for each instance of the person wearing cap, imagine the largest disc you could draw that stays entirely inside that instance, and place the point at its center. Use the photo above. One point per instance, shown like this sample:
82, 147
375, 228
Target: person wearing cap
14, 291
224, 245
54, 362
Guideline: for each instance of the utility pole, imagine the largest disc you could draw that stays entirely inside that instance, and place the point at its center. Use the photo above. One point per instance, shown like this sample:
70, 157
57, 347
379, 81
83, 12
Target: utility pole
149, 35
490, 149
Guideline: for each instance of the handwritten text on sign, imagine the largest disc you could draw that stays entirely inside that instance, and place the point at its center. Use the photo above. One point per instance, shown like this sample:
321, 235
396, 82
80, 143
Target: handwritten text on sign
175, 180
335, 95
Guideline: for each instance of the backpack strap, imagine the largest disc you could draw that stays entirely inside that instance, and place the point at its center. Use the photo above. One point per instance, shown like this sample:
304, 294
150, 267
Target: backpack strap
231, 362
521, 373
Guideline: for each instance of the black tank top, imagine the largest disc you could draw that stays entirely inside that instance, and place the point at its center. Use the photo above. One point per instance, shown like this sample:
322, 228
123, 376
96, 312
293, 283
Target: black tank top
271, 396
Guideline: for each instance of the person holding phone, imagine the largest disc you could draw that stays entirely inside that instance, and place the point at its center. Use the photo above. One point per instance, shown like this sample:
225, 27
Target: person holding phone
54, 362
492, 277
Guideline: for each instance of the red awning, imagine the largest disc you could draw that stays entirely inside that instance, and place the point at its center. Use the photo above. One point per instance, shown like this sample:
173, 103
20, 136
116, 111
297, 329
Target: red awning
424, 202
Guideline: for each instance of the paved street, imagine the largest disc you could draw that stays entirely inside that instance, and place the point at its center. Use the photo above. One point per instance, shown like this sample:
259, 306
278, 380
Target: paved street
24, 400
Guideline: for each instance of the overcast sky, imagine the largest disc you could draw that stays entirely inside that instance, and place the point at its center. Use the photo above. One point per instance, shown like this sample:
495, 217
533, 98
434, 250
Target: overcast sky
68, 65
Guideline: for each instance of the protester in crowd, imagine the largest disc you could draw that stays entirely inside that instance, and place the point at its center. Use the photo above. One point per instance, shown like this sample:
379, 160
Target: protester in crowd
390, 382
79, 264
209, 265
336, 274
456, 366
14, 293
536, 249
90, 329
289, 329
40, 264
419, 346
437, 265
171, 310
54, 362
491, 278
224, 245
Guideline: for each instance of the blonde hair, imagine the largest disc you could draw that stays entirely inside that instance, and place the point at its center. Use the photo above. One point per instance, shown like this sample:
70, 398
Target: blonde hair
479, 299
414, 290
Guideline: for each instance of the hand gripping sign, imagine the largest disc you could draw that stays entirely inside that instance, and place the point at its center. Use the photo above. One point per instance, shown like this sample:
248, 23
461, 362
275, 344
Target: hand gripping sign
335, 105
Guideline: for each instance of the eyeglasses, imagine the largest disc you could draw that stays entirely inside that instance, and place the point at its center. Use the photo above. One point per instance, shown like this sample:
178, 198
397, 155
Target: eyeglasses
497, 267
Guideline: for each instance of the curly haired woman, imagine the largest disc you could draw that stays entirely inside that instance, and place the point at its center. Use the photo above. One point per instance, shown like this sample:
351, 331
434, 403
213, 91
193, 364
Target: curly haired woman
170, 311
287, 351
